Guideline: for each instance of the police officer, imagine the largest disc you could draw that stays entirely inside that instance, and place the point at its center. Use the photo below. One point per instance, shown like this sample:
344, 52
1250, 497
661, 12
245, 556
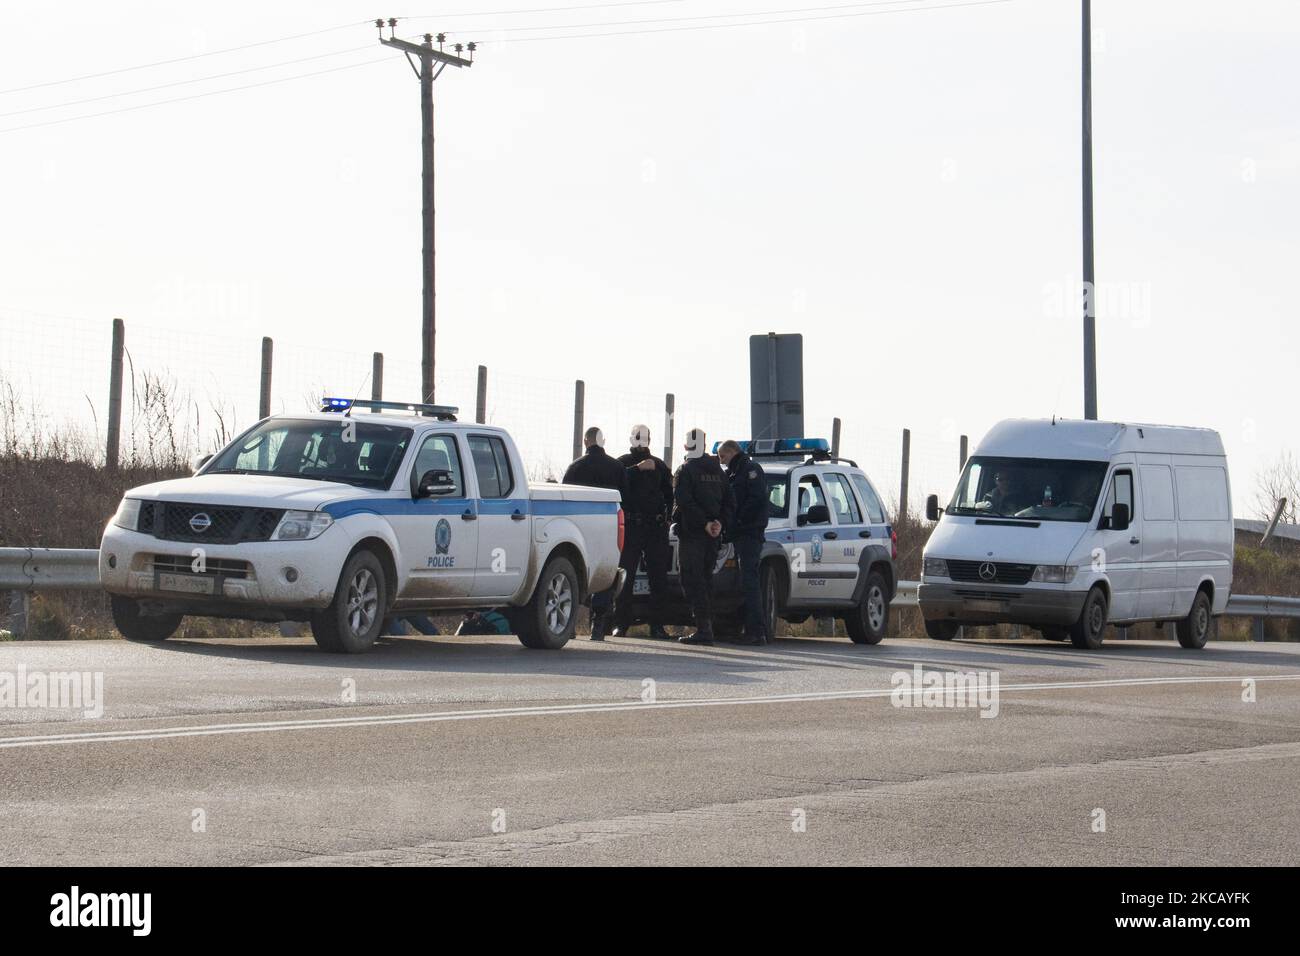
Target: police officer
703, 510
647, 506
747, 533
596, 469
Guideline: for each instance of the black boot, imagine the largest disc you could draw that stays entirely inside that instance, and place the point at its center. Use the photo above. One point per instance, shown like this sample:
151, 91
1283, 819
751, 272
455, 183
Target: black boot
703, 635
658, 633
599, 624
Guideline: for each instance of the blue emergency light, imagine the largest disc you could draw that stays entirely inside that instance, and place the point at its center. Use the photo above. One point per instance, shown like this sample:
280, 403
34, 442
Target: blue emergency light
782, 446
446, 413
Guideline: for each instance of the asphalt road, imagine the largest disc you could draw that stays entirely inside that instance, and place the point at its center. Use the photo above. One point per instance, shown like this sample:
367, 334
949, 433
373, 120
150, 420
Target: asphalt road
449, 737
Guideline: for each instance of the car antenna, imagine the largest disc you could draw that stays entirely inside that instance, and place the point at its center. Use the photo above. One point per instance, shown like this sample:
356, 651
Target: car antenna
352, 404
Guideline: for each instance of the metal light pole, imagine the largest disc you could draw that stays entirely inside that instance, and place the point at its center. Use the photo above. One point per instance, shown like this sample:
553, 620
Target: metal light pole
1089, 284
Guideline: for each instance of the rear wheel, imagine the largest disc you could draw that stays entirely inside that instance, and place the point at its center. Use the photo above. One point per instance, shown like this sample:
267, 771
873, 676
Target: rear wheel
549, 618
1090, 629
1194, 630
868, 622
771, 587
941, 630
137, 626
353, 620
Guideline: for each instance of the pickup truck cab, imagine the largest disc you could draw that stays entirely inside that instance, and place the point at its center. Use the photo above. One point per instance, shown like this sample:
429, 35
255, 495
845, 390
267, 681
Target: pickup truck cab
829, 551
342, 518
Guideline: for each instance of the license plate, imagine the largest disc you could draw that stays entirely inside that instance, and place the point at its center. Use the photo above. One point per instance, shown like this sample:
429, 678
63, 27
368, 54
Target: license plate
641, 586
991, 606
190, 584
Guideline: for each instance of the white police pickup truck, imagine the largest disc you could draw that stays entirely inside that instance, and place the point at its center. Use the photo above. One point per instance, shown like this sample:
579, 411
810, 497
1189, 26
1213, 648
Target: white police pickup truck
342, 518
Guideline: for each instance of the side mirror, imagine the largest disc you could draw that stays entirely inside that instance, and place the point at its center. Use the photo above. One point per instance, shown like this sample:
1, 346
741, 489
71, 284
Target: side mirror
435, 483
1119, 517
198, 462
932, 508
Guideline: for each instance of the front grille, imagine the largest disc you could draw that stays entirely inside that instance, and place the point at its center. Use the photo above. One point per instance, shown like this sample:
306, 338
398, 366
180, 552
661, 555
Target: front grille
171, 521
1003, 572
184, 564
976, 594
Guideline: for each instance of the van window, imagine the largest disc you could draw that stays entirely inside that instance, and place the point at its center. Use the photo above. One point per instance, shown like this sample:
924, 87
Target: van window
870, 500
1157, 493
841, 495
1041, 489
1202, 493
1121, 492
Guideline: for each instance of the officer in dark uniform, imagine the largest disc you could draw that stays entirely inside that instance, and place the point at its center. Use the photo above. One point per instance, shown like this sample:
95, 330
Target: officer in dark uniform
596, 469
747, 533
703, 510
648, 504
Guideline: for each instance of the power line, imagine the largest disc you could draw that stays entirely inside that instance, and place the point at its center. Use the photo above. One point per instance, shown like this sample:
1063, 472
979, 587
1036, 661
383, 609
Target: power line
183, 59
195, 96
753, 23
197, 79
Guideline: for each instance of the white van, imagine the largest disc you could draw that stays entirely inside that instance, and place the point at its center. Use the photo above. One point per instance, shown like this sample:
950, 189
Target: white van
1067, 526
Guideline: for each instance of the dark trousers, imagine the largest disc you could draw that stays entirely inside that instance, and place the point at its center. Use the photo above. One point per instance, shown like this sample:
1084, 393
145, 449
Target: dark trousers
749, 550
650, 540
697, 556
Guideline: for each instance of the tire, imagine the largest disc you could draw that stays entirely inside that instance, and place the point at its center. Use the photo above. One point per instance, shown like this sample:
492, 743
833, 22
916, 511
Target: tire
772, 589
548, 620
355, 617
941, 630
146, 628
1090, 629
868, 622
1194, 630
1056, 633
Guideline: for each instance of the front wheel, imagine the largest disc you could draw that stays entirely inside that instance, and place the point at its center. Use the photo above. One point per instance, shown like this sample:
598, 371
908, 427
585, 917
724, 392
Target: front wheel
136, 626
1194, 630
1090, 629
771, 587
353, 620
941, 630
549, 618
868, 622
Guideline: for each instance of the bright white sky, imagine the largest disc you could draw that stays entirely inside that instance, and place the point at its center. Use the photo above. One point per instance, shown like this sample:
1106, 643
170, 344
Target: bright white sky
902, 188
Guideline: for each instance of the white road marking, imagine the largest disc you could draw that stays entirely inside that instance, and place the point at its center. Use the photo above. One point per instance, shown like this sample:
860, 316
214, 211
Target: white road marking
324, 723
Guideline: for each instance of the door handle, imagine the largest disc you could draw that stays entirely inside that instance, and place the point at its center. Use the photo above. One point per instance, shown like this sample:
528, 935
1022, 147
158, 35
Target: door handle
517, 515
864, 533
1134, 540
830, 535
468, 515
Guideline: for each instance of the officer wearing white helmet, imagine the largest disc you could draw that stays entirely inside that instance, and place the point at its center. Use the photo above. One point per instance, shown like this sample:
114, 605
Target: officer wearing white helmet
703, 511
647, 505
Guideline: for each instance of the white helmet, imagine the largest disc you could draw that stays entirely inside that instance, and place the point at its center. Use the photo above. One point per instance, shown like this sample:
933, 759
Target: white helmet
695, 443
640, 436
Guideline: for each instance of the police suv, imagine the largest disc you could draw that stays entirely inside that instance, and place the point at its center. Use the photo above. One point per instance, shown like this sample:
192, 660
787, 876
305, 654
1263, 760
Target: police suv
342, 518
830, 548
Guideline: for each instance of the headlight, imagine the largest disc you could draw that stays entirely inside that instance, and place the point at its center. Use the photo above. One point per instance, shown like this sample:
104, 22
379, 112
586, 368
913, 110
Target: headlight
128, 514
1053, 573
301, 526
934, 567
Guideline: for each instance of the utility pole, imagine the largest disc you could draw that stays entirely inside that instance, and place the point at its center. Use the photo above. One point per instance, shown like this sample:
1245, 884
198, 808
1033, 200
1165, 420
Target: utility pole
1089, 283
426, 73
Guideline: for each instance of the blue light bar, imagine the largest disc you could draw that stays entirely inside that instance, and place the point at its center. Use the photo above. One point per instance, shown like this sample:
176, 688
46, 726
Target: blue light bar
335, 404
781, 446
446, 413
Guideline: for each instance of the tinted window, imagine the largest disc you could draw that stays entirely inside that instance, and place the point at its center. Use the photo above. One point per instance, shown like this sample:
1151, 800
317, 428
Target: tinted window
841, 495
438, 453
1044, 489
491, 466
335, 449
875, 510
810, 495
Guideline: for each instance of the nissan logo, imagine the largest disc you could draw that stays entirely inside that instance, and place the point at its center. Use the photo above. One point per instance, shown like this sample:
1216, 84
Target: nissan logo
988, 571
201, 522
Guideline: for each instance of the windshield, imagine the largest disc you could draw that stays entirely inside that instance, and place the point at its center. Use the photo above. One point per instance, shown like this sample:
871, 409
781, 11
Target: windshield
1043, 489
365, 455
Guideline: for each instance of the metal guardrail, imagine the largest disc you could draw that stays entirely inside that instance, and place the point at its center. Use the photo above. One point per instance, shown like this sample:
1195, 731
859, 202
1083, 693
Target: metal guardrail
34, 569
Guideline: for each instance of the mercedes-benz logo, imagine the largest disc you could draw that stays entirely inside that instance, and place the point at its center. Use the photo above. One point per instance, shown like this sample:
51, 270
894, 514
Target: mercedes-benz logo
200, 522
988, 571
